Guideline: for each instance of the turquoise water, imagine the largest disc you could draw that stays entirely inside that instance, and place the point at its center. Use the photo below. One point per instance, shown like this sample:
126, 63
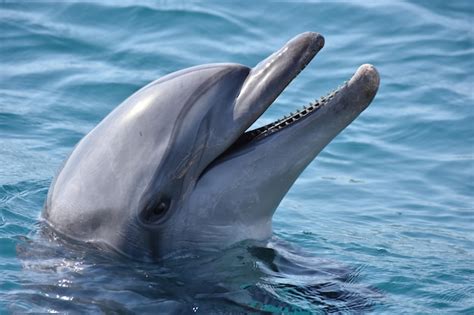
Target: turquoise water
381, 222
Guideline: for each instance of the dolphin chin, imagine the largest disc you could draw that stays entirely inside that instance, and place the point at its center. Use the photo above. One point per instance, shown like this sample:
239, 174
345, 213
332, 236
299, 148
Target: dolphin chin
175, 166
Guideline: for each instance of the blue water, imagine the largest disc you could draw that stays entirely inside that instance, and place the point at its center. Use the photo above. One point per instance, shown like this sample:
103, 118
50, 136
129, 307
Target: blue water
382, 221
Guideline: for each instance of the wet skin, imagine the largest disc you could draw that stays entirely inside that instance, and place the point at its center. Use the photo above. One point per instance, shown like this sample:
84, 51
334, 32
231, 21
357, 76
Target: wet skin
174, 167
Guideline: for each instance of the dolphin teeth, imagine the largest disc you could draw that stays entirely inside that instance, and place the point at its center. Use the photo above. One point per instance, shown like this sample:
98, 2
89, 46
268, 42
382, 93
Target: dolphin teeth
293, 117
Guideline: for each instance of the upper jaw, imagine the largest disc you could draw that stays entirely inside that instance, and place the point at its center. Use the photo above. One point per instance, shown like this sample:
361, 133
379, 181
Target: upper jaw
259, 89
270, 77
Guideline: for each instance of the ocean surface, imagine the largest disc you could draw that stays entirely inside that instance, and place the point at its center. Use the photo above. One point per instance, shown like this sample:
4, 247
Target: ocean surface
381, 222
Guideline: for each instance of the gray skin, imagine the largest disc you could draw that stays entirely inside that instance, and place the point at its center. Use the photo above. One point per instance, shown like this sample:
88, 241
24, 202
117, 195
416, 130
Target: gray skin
172, 169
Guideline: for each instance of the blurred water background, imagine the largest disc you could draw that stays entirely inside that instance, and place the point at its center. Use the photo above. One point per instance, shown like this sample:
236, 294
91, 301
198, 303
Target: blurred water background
382, 221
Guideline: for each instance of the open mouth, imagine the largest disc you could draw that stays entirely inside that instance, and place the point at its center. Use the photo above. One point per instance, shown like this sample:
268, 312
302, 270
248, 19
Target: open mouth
284, 122
270, 77
270, 129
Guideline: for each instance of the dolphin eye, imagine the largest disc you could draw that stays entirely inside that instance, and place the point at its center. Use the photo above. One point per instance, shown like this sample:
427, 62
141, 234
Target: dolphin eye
155, 211
161, 208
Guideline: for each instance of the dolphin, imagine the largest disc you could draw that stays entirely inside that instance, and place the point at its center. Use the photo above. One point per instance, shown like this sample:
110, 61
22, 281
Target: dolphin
175, 167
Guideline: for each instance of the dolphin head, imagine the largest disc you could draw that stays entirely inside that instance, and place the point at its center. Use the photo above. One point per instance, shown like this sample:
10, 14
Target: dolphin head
174, 167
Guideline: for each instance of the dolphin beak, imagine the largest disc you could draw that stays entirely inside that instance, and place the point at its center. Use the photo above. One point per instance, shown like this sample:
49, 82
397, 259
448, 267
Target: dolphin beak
307, 130
310, 127
270, 77
325, 117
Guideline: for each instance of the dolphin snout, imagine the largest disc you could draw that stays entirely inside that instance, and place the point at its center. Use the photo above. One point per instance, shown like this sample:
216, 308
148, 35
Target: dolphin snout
305, 47
369, 79
360, 90
271, 76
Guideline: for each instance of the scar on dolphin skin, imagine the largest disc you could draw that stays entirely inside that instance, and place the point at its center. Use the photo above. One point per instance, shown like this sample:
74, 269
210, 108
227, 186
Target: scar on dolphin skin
175, 167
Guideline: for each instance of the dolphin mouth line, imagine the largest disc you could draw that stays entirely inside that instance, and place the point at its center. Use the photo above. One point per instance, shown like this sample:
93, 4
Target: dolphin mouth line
260, 133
